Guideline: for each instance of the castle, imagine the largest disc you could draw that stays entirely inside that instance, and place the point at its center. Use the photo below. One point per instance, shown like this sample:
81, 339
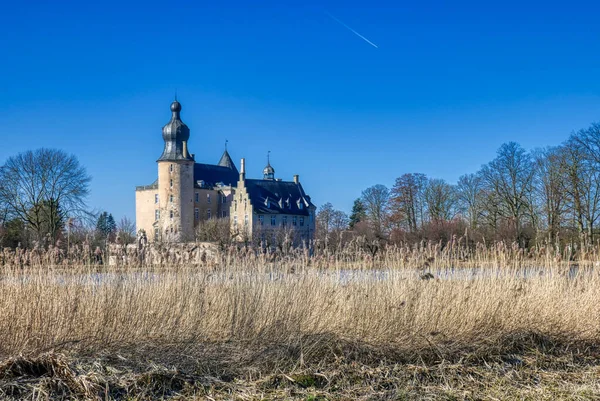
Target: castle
187, 193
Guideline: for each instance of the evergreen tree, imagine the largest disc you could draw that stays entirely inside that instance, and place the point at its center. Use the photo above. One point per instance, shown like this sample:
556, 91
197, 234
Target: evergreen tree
101, 223
110, 224
358, 213
106, 224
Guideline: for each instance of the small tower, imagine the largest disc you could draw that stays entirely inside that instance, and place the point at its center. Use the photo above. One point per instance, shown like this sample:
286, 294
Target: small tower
268, 171
226, 160
176, 181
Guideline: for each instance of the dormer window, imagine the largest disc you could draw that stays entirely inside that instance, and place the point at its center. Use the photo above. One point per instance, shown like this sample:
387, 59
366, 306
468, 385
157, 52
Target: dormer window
301, 205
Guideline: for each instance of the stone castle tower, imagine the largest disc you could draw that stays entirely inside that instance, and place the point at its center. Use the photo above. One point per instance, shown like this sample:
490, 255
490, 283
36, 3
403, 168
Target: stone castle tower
188, 193
176, 181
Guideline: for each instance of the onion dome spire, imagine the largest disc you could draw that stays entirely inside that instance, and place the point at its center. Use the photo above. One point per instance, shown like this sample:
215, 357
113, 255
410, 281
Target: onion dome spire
176, 135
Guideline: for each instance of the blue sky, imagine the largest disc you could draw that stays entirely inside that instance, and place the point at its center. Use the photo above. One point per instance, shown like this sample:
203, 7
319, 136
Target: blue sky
448, 84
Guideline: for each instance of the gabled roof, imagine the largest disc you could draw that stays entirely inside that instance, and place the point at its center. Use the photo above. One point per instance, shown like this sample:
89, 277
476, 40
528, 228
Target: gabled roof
227, 162
212, 174
277, 197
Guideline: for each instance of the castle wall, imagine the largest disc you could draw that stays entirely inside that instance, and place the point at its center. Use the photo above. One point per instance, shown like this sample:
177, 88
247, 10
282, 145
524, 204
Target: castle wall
144, 211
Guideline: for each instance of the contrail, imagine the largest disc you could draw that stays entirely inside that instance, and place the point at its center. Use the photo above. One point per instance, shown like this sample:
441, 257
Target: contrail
352, 30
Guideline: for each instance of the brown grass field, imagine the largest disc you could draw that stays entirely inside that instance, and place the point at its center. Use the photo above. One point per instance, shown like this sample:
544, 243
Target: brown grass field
503, 325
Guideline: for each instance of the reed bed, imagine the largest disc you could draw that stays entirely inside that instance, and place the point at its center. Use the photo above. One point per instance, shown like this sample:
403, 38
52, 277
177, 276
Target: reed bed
270, 319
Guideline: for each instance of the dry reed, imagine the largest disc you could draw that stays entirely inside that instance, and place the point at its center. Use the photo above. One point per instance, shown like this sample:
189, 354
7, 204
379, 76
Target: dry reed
293, 311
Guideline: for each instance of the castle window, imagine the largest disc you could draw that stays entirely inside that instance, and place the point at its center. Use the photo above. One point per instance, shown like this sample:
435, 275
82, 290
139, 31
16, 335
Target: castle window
224, 198
197, 197
171, 198
301, 221
171, 168
224, 213
171, 214
196, 214
156, 234
207, 198
261, 219
155, 198
171, 183
156, 214
273, 220
284, 221
235, 221
246, 220
208, 213
294, 221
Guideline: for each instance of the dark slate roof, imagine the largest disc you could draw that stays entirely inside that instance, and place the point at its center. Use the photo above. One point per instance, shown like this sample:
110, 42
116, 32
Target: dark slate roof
283, 196
227, 162
212, 174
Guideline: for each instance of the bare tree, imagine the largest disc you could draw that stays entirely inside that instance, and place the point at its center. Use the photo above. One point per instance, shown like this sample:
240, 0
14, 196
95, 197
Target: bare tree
589, 141
441, 200
376, 200
217, 230
581, 184
407, 205
126, 230
43, 188
509, 179
549, 188
469, 192
331, 224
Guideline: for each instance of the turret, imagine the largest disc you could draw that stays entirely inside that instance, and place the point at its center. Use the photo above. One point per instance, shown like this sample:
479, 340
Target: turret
176, 181
269, 171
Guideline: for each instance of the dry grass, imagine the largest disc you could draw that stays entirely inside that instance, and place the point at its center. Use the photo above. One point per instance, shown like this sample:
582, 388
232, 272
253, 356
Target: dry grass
256, 327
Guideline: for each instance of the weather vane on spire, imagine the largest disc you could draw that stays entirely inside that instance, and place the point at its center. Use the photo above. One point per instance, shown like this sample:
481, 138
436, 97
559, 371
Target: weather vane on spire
175, 94
269, 157
226, 141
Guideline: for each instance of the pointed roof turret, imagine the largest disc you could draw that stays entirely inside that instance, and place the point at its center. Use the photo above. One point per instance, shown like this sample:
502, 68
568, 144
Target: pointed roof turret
227, 161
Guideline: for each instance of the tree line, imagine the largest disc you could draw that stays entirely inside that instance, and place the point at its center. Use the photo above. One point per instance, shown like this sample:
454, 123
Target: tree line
543, 196
43, 202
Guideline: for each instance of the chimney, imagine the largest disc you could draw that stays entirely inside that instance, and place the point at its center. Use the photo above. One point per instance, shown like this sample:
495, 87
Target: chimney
243, 170
296, 179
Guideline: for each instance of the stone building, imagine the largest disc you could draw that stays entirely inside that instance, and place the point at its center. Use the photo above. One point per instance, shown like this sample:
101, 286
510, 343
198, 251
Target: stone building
187, 192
